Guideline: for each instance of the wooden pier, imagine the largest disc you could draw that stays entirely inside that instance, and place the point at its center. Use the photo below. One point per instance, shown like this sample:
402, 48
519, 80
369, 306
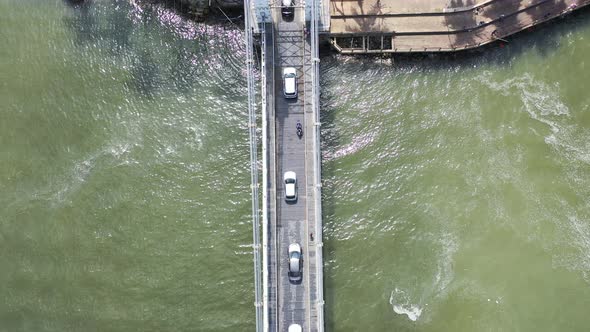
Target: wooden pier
405, 26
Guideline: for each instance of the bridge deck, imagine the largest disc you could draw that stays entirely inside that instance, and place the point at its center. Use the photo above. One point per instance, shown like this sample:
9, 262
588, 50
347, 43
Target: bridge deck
288, 302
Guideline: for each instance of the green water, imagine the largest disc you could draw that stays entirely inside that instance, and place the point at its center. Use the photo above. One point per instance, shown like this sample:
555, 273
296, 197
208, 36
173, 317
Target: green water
456, 194
124, 174
457, 190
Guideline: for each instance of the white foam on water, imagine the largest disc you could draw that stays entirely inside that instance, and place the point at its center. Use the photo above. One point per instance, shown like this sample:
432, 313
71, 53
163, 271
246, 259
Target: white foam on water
402, 306
412, 312
540, 100
410, 300
445, 273
543, 103
579, 238
65, 187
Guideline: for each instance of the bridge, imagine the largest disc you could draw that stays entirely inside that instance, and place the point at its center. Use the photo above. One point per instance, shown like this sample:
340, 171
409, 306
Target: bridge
293, 43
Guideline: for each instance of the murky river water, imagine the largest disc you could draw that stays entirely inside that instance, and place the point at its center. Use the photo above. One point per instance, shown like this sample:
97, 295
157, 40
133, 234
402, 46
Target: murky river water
456, 192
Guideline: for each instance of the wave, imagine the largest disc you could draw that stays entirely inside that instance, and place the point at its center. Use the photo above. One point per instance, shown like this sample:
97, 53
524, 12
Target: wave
402, 306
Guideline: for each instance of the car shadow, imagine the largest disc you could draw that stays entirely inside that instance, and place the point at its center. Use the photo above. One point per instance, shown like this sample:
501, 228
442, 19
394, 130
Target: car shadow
292, 202
289, 18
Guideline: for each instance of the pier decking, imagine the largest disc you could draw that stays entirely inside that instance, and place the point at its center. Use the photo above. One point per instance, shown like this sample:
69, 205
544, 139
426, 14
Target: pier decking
400, 26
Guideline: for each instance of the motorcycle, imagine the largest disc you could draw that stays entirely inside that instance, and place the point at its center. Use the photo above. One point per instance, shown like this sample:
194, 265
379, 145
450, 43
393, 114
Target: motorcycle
299, 130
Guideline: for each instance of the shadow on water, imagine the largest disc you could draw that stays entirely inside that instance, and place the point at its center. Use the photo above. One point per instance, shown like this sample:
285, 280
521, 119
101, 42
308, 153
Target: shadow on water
85, 24
82, 23
144, 70
120, 28
181, 67
145, 73
159, 45
75, 3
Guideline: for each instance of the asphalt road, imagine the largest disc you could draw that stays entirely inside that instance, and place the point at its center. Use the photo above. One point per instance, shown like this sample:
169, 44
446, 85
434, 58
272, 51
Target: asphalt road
293, 298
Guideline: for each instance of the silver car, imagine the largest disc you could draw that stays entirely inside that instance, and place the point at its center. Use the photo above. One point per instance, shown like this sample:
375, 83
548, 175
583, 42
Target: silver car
295, 262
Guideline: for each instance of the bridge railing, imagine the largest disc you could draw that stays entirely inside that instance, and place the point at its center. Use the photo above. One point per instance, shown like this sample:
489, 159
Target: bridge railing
315, 76
265, 166
254, 185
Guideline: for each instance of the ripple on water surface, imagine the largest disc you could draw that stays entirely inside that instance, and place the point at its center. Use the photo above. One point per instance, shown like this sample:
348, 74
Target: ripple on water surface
455, 193
127, 161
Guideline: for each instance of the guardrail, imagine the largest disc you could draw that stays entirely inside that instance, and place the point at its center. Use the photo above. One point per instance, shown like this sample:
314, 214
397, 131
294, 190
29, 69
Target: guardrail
273, 174
315, 104
264, 179
253, 164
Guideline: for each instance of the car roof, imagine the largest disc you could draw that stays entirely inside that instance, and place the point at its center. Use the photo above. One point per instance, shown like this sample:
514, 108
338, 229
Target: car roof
294, 247
290, 190
289, 70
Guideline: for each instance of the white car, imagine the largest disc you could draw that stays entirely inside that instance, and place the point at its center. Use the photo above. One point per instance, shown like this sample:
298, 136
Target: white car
290, 186
290, 82
295, 262
288, 9
295, 328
